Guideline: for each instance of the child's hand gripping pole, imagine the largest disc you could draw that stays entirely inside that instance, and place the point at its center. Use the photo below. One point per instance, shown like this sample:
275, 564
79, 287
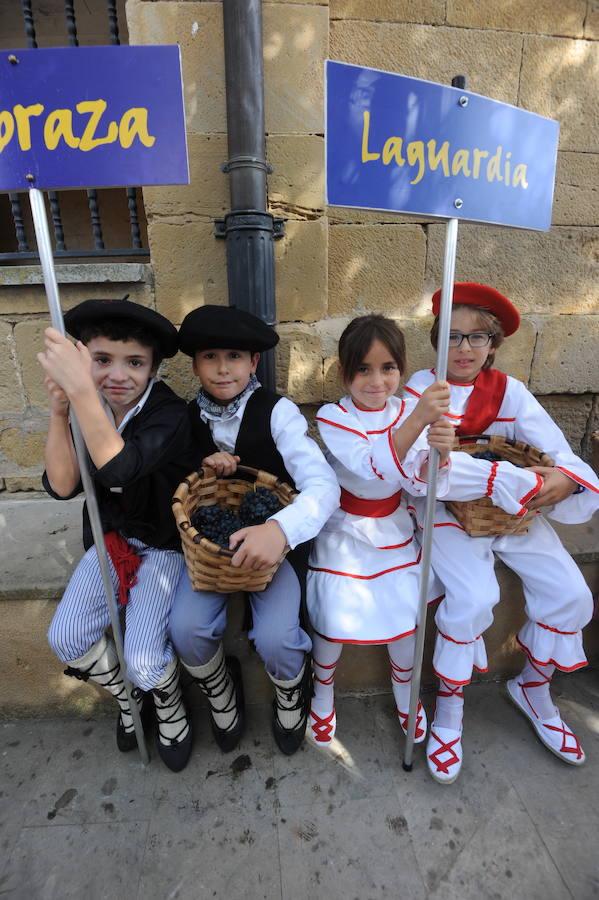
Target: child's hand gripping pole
42, 234
451, 235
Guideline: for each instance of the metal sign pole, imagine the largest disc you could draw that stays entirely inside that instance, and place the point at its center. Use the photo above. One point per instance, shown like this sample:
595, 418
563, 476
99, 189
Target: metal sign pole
451, 237
40, 222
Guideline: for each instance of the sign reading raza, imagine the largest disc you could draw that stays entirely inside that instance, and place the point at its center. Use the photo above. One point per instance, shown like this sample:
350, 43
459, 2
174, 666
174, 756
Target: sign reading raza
91, 116
407, 145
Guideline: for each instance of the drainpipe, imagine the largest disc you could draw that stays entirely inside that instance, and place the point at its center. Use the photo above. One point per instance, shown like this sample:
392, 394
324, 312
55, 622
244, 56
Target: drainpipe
248, 229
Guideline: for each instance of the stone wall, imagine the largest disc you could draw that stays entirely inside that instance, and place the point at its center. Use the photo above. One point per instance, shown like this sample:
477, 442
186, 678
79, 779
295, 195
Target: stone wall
333, 263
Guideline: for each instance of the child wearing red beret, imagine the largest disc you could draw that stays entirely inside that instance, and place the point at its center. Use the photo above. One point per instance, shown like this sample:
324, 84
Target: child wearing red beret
558, 601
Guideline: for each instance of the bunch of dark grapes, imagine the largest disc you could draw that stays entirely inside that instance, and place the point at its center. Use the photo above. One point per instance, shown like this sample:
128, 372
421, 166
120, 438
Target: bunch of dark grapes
486, 454
258, 505
217, 523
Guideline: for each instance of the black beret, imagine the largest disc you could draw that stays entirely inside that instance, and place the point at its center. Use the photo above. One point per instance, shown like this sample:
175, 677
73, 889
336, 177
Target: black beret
93, 312
224, 327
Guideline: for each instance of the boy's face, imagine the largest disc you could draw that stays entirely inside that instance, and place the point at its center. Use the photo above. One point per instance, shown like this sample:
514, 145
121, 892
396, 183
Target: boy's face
224, 373
121, 371
465, 362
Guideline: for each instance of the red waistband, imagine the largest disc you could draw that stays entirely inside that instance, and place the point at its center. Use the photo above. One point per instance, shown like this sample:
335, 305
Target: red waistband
373, 509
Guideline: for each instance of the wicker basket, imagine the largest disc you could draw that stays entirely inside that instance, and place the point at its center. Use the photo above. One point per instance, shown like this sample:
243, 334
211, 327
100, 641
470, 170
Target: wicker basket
480, 518
209, 565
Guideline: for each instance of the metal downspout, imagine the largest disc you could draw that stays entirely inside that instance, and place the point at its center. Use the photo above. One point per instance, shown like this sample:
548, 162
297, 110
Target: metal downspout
248, 229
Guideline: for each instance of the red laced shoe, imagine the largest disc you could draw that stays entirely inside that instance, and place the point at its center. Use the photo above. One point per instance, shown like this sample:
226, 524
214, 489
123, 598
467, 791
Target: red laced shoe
444, 754
552, 732
322, 731
421, 723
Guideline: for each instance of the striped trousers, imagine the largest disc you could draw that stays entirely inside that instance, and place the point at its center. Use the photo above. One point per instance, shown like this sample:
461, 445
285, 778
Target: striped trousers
82, 615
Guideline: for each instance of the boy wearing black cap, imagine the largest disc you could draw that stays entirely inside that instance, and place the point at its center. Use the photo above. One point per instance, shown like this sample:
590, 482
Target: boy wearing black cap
558, 602
235, 420
137, 435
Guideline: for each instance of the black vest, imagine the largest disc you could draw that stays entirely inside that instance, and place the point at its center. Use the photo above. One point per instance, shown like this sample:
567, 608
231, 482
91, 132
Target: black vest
254, 445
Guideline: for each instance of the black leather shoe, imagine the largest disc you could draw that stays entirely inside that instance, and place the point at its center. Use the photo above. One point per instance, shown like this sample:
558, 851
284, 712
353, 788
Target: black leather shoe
127, 740
175, 755
289, 740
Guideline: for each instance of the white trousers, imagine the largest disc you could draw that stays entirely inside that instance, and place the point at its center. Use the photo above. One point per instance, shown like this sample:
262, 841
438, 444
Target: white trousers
558, 602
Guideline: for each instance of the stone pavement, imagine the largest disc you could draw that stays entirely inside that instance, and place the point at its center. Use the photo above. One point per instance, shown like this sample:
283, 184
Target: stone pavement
80, 820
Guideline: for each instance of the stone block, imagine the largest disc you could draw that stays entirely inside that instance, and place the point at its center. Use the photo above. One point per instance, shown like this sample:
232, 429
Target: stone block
591, 23
434, 53
11, 394
29, 340
299, 363
576, 189
296, 186
566, 359
558, 80
21, 449
178, 374
571, 414
546, 273
427, 12
198, 29
24, 484
207, 194
301, 271
295, 45
375, 268
31, 298
542, 17
595, 451
189, 267
340, 215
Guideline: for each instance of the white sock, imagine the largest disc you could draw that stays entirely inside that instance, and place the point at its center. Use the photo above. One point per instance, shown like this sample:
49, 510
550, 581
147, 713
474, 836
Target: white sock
534, 681
216, 684
401, 656
170, 711
449, 710
325, 656
290, 708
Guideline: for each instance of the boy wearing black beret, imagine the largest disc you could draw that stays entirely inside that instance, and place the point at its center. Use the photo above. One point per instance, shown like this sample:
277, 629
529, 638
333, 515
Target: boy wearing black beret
137, 435
235, 420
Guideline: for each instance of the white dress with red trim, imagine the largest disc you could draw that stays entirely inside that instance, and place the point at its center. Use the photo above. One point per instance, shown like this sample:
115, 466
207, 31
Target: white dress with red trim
364, 567
558, 601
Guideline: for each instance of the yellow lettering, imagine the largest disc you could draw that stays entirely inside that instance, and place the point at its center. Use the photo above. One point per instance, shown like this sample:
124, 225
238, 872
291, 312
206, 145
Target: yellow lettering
416, 155
96, 108
494, 166
441, 157
520, 176
22, 116
460, 163
134, 122
59, 124
7, 128
366, 155
392, 150
506, 169
478, 155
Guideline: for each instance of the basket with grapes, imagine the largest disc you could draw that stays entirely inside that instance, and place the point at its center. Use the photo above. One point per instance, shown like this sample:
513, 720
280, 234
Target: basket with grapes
480, 518
208, 509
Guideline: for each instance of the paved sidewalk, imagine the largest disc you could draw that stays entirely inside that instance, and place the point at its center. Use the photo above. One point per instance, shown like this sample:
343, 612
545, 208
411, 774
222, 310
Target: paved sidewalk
79, 820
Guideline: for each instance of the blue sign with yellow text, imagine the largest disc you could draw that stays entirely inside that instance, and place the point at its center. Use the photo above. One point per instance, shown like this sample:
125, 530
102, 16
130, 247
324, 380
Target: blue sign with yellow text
91, 117
406, 145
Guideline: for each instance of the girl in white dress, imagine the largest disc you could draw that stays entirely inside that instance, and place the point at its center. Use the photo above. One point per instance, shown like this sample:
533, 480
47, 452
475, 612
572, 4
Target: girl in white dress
363, 577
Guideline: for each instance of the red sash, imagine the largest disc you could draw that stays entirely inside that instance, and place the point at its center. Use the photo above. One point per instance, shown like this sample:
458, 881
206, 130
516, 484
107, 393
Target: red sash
372, 509
484, 402
126, 562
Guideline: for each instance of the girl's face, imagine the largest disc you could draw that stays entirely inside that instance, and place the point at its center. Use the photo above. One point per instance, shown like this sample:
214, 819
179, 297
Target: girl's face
377, 378
465, 362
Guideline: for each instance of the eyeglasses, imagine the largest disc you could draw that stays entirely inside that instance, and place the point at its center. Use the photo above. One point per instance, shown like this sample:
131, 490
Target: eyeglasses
476, 339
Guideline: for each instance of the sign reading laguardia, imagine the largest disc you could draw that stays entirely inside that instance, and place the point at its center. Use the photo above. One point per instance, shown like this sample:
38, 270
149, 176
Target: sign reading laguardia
91, 116
407, 145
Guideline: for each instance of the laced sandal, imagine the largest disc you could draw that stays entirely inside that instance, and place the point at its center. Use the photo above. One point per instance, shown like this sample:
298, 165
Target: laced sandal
322, 731
421, 723
444, 754
552, 732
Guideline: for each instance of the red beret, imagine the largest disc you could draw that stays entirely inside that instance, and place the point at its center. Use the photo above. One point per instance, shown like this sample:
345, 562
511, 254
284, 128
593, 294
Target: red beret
473, 294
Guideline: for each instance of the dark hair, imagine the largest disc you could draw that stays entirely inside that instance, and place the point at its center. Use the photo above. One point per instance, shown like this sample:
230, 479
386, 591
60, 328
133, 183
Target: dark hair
488, 322
358, 337
124, 330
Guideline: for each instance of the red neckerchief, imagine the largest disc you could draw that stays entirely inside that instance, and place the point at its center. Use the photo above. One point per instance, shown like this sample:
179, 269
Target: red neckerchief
126, 562
484, 402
